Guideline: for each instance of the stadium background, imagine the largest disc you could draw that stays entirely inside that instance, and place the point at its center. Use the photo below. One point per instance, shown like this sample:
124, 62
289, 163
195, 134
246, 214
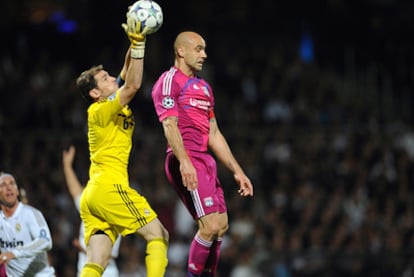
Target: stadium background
315, 98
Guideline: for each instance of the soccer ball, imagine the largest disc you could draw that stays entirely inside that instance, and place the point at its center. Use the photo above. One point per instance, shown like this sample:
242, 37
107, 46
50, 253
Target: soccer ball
149, 13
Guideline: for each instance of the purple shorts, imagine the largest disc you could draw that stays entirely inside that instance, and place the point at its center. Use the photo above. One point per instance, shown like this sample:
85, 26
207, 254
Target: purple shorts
208, 197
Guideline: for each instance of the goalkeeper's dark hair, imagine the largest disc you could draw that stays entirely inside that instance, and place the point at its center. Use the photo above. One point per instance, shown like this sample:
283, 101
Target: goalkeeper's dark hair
86, 81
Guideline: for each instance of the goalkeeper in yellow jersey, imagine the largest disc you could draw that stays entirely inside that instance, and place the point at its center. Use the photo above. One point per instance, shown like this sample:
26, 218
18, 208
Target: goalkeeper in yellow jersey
109, 206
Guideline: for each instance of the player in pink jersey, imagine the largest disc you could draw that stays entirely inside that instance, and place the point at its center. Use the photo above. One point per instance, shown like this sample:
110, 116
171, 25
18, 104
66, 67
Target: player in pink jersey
185, 105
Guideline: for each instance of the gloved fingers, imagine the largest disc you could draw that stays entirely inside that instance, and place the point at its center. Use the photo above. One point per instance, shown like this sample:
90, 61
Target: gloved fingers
136, 36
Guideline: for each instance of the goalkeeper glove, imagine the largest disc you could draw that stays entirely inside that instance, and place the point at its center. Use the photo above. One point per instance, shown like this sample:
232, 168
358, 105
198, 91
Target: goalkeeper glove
136, 37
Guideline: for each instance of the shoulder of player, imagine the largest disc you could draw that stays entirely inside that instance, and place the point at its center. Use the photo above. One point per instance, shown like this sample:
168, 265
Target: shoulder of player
26, 208
101, 105
167, 76
167, 82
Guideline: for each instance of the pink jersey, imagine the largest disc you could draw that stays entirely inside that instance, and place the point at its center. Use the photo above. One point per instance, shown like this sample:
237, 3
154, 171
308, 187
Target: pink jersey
191, 100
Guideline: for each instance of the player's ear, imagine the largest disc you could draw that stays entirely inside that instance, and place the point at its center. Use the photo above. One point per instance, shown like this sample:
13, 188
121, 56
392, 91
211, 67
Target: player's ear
94, 93
180, 52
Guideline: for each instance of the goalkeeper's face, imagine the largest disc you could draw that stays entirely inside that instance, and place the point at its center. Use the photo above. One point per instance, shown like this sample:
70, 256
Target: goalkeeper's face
105, 84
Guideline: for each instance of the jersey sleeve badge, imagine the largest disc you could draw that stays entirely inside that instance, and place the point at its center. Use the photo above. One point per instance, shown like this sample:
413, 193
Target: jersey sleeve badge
168, 102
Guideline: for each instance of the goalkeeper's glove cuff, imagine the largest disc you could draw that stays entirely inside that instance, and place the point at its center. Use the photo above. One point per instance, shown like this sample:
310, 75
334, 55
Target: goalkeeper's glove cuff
137, 49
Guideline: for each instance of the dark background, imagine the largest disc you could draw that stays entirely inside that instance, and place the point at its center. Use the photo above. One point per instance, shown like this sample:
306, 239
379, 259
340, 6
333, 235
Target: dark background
315, 98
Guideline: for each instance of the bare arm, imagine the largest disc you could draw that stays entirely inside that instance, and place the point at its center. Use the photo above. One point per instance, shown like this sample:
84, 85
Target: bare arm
218, 144
126, 64
174, 139
72, 182
133, 71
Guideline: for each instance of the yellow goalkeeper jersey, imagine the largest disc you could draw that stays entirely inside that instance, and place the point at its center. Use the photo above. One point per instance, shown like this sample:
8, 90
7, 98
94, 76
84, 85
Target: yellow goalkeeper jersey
110, 130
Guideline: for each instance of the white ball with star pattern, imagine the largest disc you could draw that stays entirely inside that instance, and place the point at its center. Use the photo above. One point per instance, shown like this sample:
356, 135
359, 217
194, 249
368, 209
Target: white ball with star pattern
149, 13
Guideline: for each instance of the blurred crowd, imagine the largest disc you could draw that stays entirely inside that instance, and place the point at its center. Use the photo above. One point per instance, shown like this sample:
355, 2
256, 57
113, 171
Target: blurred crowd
325, 133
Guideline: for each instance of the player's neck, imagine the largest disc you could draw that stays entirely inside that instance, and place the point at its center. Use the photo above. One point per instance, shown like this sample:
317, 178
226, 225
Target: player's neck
184, 69
9, 210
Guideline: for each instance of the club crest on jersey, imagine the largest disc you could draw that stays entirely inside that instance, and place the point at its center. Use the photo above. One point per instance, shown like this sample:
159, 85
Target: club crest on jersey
168, 102
18, 227
206, 91
208, 201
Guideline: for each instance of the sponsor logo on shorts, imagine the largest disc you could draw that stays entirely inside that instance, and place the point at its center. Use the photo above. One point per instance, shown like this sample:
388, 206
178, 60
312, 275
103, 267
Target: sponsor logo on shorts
147, 212
192, 266
208, 201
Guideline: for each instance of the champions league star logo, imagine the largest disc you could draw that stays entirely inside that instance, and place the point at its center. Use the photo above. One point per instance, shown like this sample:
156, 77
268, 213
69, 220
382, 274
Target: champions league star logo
168, 102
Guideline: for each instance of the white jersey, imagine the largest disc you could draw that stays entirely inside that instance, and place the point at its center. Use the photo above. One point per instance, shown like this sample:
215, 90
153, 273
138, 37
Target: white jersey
27, 235
112, 269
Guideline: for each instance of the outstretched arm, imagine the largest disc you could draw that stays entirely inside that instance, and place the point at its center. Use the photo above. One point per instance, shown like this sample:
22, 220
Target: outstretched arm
72, 182
124, 69
133, 80
134, 62
174, 139
218, 144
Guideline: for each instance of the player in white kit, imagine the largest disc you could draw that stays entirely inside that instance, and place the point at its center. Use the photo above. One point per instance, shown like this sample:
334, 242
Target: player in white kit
24, 234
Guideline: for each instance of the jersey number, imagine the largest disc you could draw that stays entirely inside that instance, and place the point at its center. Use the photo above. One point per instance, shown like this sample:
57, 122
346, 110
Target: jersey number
128, 122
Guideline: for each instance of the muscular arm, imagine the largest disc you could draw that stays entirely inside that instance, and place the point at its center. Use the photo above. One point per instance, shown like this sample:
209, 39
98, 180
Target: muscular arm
218, 144
175, 140
133, 70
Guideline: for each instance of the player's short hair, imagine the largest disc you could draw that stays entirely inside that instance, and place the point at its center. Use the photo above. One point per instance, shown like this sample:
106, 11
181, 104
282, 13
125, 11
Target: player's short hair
4, 174
86, 81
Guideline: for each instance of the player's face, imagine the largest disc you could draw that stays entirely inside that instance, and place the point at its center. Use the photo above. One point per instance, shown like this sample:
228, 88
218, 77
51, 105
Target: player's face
195, 53
106, 84
8, 191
